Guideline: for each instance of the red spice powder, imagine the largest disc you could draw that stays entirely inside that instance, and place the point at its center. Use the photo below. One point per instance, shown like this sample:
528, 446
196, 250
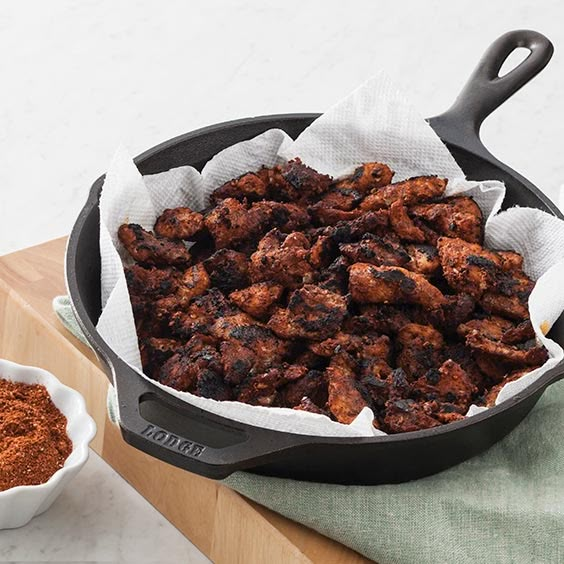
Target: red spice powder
33, 440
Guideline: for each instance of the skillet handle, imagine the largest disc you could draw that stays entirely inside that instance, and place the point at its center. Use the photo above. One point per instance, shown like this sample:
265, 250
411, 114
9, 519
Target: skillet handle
181, 434
485, 90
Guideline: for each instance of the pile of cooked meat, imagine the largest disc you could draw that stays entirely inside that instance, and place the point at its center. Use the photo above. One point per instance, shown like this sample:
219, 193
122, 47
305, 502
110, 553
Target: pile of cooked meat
295, 290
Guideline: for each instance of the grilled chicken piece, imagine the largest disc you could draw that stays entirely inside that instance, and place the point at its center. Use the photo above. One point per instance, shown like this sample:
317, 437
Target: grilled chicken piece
449, 383
491, 327
462, 355
458, 217
354, 230
182, 370
179, 223
312, 313
345, 401
262, 389
380, 251
392, 284
147, 249
528, 353
323, 252
510, 260
307, 182
282, 259
192, 283
155, 352
367, 177
331, 216
443, 411
483, 274
312, 385
238, 361
211, 385
403, 225
365, 346
307, 405
424, 259
249, 186
420, 349
151, 282
247, 332
200, 315
406, 415
456, 310
286, 217
335, 277
491, 397
411, 191
519, 334
228, 270
339, 199
257, 300
231, 225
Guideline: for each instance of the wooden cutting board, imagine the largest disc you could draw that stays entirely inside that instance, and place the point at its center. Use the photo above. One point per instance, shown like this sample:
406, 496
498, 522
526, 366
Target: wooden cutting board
224, 525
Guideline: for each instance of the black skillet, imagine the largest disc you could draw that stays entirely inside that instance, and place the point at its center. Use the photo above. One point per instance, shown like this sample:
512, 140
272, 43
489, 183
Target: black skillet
190, 438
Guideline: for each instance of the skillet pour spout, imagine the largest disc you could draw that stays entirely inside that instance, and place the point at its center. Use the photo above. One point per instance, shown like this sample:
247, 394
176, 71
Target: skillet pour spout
164, 426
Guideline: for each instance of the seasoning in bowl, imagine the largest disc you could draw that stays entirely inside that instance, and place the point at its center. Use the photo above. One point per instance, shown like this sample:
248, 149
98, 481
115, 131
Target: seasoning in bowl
33, 440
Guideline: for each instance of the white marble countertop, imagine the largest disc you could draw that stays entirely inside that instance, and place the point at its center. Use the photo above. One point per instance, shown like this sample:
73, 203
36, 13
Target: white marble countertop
80, 78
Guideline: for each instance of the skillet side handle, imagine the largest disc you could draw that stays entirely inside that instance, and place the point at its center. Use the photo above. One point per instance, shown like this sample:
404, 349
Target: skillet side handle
485, 90
188, 437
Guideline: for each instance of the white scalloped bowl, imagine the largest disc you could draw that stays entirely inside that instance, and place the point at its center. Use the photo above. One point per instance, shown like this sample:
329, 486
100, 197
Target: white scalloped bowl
20, 504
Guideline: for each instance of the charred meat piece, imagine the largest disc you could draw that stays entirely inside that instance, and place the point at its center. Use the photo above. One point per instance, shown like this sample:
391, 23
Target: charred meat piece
519, 334
179, 223
307, 405
200, 315
420, 349
151, 282
250, 186
249, 333
510, 260
368, 345
385, 250
238, 361
424, 259
335, 277
228, 270
339, 199
282, 259
307, 182
411, 191
231, 225
382, 318
284, 216
456, 310
491, 327
468, 267
312, 385
323, 252
345, 400
181, 371
392, 284
403, 225
257, 300
491, 397
147, 249
406, 415
462, 355
354, 230
449, 383
332, 216
312, 313
443, 411
367, 177
514, 306
155, 352
458, 217
523, 354
210, 384
262, 389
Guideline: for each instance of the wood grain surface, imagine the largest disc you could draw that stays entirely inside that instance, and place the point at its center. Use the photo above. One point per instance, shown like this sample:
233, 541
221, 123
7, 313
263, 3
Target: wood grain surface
224, 525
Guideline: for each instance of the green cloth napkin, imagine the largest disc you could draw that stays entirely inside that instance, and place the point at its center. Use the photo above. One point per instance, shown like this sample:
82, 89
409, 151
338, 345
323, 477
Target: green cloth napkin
504, 506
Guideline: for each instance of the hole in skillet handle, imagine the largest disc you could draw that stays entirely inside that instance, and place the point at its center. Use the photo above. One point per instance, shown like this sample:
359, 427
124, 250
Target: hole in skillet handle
488, 87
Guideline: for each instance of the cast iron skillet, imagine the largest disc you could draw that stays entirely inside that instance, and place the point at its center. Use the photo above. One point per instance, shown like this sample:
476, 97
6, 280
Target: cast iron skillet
190, 438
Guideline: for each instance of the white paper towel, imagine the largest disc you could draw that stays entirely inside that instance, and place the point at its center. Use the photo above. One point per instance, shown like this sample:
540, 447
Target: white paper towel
374, 123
